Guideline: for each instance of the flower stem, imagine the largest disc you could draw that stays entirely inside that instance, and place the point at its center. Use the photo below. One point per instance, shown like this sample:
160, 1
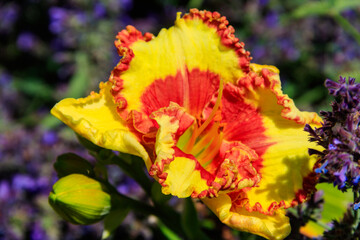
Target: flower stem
355, 212
166, 215
134, 168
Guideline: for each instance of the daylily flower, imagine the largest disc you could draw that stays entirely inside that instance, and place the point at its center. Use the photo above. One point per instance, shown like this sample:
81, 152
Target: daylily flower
207, 123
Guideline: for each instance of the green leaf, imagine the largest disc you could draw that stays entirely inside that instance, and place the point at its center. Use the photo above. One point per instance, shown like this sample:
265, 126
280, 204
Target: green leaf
190, 222
157, 196
341, 5
312, 9
324, 8
195, 4
81, 77
168, 232
313, 95
335, 202
33, 87
114, 220
335, 205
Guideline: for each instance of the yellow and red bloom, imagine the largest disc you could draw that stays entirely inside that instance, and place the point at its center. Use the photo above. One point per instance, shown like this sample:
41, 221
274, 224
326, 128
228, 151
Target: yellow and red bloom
207, 123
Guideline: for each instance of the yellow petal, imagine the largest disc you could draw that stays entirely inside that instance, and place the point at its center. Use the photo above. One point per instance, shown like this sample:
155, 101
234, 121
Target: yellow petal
183, 179
179, 175
286, 172
96, 119
190, 44
274, 226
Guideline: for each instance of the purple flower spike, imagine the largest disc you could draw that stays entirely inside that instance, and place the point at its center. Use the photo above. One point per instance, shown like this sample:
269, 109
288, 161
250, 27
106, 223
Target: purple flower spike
340, 136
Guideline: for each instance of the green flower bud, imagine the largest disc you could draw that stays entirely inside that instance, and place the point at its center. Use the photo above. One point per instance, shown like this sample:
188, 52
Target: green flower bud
70, 163
79, 199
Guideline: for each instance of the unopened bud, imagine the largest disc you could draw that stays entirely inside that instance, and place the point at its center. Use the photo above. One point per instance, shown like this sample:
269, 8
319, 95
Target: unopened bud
79, 199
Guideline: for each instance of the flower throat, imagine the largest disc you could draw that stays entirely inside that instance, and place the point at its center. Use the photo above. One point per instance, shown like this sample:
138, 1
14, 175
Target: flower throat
203, 142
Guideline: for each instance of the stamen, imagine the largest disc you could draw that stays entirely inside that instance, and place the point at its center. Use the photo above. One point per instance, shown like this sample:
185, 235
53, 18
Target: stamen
214, 110
207, 157
205, 141
197, 131
191, 141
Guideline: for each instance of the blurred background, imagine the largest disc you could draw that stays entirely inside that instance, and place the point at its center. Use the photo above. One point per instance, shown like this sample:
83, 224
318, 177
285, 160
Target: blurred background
54, 49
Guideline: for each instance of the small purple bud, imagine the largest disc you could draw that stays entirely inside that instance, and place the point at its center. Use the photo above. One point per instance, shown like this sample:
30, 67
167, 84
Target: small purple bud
356, 179
322, 168
263, 3
99, 10
49, 138
126, 4
332, 147
8, 15
5, 78
58, 17
37, 232
272, 19
356, 206
26, 41
4, 190
23, 182
259, 52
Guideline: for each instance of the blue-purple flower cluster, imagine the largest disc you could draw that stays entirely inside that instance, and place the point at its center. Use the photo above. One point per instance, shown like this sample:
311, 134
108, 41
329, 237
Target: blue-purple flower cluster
340, 136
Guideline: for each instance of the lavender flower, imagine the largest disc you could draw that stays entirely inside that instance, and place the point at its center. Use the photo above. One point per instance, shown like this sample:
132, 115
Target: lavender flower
58, 17
99, 10
340, 136
8, 15
26, 41
49, 138
272, 19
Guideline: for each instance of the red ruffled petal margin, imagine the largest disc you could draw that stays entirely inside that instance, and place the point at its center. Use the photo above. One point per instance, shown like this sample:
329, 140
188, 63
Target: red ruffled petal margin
130, 35
240, 199
225, 31
125, 39
309, 183
269, 80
